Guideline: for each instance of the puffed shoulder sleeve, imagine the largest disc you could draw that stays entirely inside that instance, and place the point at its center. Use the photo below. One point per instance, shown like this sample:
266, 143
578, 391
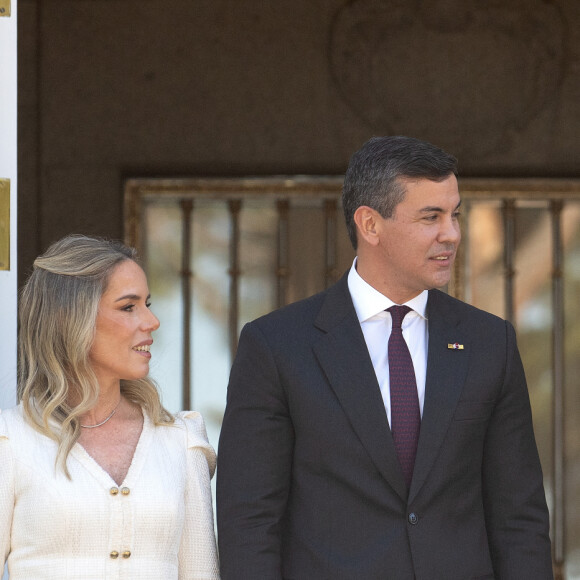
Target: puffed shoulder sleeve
3, 427
197, 436
198, 557
6, 491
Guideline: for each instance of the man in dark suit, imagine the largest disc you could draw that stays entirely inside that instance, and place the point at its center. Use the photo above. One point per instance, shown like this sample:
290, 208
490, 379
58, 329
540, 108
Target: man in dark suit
345, 457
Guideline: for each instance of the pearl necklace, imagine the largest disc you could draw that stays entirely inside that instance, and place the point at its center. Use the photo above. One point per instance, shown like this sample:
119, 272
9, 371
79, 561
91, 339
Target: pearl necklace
102, 422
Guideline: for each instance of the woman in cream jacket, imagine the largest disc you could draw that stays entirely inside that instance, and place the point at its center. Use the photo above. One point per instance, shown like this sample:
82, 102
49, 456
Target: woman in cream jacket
97, 480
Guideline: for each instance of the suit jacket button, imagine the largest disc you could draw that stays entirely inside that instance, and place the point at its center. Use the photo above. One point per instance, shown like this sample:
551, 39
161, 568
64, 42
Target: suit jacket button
413, 519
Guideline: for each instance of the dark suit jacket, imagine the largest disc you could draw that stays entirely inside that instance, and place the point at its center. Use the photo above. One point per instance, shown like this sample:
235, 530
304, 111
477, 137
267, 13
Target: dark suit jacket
308, 484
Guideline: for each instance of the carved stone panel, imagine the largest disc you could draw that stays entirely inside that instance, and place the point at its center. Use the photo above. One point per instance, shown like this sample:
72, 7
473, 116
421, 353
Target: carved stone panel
462, 73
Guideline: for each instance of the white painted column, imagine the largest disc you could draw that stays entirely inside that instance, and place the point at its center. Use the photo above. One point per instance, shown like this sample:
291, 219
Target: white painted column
8, 279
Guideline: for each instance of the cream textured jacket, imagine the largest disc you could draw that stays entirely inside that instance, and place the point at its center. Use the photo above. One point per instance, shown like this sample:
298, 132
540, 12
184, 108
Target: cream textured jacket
157, 525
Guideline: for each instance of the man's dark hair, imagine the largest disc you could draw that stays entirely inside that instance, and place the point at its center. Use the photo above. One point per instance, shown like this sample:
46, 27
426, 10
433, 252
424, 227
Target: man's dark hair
377, 171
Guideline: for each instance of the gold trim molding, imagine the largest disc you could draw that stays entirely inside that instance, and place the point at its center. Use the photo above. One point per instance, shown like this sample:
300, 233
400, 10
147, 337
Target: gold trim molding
4, 224
5, 8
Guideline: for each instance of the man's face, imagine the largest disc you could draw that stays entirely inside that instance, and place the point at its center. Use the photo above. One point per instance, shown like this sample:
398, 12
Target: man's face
418, 243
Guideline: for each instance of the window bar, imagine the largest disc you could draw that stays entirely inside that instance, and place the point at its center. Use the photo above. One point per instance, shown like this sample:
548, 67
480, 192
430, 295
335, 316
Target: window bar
509, 220
558, 382
186, 276
459, 282
331, 273
235, 206
465, 288
282, 270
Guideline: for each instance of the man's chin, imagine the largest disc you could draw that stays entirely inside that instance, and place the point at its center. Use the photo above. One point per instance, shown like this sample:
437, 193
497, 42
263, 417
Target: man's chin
441, 283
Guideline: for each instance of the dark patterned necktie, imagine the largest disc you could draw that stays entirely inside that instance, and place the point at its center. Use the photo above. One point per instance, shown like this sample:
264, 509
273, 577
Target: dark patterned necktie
405, 414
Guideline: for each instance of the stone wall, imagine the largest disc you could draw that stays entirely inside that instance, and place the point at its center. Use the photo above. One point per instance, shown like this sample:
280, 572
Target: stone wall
116, 89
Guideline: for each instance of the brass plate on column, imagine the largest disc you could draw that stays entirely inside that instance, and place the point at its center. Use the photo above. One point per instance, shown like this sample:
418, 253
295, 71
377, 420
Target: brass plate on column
4, 224
4, 7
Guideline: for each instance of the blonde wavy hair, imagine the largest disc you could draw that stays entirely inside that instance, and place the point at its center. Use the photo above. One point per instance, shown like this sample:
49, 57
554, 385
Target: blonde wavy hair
57, 316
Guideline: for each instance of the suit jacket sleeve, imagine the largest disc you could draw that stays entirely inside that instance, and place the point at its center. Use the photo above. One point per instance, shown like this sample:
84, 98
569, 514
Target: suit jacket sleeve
517, 519
254, 464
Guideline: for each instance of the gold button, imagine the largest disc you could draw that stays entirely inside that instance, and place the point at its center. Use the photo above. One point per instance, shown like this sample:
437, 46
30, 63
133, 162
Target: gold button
114, 491
125, 491
126, 554
114, 554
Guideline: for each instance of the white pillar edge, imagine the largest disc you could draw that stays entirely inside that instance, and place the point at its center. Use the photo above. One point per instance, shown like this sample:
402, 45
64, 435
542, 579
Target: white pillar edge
8, 170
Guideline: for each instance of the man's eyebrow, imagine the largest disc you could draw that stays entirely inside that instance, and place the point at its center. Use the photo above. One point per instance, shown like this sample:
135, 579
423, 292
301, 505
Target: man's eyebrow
431, 208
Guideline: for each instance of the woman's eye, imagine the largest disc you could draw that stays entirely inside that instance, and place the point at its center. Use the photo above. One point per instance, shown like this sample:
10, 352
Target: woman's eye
148, 304
128, 308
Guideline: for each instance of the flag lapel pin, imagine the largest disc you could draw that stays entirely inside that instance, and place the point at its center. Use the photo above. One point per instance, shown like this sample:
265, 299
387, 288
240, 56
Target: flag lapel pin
455, 346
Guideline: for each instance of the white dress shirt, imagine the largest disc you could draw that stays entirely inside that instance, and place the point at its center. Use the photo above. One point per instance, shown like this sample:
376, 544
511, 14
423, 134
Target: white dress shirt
376, 324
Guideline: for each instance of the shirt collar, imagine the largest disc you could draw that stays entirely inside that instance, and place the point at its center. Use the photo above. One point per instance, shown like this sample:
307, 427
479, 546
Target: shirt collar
369, 302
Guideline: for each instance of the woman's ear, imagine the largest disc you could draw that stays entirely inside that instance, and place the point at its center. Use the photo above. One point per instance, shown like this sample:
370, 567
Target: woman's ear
366, 220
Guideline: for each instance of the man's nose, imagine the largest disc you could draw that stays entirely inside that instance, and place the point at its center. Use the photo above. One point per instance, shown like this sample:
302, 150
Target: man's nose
450, 231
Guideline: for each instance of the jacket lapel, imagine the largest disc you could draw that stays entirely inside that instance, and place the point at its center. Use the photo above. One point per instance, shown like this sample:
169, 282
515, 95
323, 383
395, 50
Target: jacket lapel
343, 355
446, 373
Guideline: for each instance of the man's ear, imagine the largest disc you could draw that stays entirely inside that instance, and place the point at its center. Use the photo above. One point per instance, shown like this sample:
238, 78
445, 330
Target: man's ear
366, 220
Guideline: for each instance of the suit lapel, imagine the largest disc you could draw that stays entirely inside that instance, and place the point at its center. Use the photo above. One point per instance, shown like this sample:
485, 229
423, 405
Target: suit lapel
446, 373
343, 355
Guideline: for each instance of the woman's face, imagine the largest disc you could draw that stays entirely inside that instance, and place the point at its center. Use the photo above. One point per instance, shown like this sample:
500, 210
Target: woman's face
124, 325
